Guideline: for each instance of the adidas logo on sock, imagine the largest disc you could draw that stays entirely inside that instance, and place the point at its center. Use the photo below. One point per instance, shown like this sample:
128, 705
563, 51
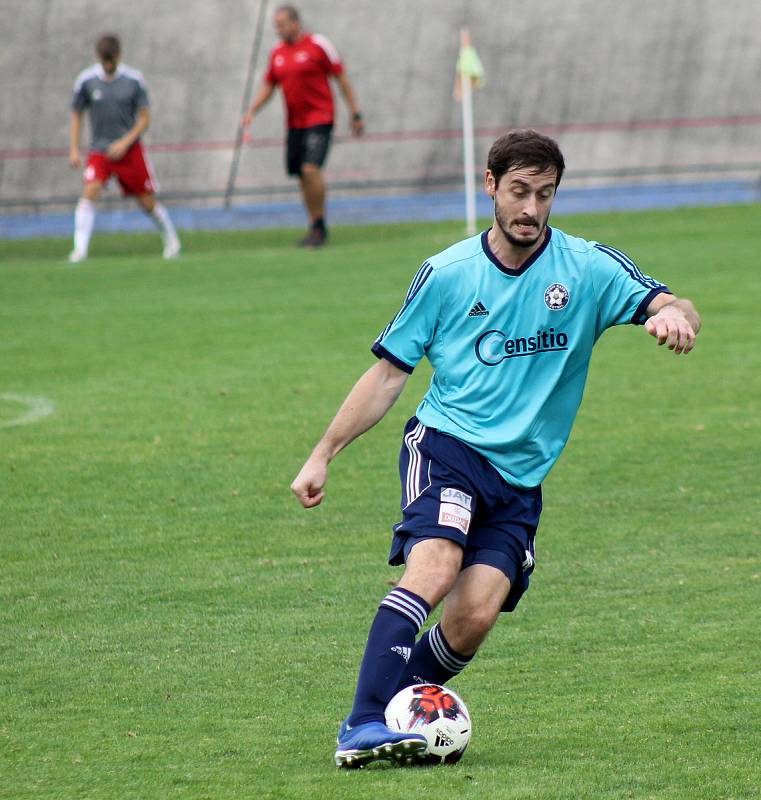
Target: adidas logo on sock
478, 310
404, 652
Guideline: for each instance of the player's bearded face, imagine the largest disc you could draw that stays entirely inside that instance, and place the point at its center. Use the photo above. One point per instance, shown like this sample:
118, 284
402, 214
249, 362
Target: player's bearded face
522, 205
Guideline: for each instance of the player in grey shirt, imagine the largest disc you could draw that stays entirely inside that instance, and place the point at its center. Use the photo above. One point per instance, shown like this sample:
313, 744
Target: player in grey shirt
116, 100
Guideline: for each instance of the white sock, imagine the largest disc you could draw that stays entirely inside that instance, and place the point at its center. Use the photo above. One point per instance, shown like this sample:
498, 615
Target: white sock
161, 218
84, 219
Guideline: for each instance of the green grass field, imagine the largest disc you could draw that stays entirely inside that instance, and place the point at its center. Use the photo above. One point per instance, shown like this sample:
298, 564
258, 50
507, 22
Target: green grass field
174, 625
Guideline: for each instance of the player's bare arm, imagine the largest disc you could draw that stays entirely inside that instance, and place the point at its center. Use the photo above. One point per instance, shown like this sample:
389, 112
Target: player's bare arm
347, 90
673, 321
118, 148
365, 405
75, 132
266, 91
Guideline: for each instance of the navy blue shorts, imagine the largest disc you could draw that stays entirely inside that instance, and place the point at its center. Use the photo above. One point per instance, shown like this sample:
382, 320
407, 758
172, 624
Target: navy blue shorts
452, 492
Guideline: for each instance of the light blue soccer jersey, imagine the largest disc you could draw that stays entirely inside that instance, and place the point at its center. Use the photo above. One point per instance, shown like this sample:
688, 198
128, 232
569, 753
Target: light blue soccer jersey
510, 349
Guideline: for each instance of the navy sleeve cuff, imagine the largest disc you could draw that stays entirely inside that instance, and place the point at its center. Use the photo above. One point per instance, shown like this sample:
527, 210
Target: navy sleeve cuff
640, 315
380, 351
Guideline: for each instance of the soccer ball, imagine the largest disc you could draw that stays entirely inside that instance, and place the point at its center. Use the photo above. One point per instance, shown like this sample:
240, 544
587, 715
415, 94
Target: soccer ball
436, 712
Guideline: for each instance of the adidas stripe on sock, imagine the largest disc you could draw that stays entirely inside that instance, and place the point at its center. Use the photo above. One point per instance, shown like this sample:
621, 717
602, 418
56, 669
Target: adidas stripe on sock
408, 605
389, 644
448, 658
432, 661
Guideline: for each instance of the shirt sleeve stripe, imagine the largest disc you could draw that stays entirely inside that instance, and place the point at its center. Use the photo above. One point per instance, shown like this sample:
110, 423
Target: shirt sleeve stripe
640, 315
631, 268
330, 49
83, 76
613, 251
135, 74
380, 352
420, 278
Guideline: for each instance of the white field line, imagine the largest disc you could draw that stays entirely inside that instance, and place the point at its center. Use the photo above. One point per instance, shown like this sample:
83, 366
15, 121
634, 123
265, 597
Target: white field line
34, 408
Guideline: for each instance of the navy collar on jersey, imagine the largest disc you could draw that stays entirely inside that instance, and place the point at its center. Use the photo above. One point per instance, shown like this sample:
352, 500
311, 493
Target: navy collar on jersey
526, 264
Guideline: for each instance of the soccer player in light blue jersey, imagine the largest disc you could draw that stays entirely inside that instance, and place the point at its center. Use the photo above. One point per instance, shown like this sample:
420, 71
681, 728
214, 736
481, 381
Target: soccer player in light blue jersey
508, 320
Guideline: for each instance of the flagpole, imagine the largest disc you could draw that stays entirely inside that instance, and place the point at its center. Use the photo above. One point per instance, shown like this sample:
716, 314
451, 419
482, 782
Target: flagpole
240, 132
468, 141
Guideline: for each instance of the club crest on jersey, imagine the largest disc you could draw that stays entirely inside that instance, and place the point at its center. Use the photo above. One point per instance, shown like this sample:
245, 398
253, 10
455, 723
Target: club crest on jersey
556, 297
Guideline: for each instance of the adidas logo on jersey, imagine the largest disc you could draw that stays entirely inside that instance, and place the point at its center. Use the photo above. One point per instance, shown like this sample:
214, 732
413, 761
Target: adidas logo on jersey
478, 310
404, 652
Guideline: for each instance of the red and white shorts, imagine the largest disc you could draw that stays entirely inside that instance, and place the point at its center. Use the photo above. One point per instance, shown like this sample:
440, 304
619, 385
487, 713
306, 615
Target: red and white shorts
134, 171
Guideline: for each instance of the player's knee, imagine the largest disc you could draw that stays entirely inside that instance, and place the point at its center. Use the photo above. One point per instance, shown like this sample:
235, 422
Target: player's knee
310, 171
440, 580
147, 202
432, 569
480, 622
92, 191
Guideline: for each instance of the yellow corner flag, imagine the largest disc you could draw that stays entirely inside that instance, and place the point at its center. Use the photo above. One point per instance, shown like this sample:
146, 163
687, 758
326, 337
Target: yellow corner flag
468, 62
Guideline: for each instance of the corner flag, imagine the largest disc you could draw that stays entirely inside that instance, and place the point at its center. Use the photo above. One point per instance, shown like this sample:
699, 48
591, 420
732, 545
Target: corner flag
471, 73
468, 62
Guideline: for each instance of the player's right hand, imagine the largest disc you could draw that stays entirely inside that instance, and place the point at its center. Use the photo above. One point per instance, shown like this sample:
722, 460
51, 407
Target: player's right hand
308, 485
671, 327
75, 160
245, 124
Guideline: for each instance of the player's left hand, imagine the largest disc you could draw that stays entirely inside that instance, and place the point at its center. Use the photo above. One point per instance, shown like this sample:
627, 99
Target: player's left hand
671, 327
357, 124
116, 150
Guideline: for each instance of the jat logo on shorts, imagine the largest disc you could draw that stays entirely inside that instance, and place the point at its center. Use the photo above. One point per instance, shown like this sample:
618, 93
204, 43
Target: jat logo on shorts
456, 496
493, 347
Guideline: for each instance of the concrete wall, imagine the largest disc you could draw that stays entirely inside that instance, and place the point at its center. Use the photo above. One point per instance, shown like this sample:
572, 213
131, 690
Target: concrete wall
650, 89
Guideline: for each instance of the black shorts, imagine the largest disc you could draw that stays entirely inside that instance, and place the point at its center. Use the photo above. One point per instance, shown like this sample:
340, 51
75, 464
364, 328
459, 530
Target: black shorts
449, 491
307, 146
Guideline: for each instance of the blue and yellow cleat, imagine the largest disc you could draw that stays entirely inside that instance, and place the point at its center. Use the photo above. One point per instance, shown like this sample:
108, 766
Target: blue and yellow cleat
373, 741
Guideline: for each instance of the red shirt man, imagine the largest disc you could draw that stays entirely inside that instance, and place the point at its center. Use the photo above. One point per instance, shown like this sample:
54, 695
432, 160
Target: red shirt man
302, 69
302, 66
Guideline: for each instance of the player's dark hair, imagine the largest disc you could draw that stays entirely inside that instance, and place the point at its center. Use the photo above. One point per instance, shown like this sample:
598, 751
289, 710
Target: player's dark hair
291, 11
525, 148
108, 47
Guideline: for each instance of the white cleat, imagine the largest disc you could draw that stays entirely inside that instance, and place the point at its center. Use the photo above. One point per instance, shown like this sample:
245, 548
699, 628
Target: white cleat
172, 249
77, 256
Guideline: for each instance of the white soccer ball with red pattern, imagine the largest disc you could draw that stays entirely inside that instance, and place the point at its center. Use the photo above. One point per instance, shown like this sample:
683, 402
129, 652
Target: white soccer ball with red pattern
436, 712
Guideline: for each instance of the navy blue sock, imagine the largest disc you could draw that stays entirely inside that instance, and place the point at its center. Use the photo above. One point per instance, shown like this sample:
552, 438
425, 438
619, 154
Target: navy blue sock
389, 646
432, 661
